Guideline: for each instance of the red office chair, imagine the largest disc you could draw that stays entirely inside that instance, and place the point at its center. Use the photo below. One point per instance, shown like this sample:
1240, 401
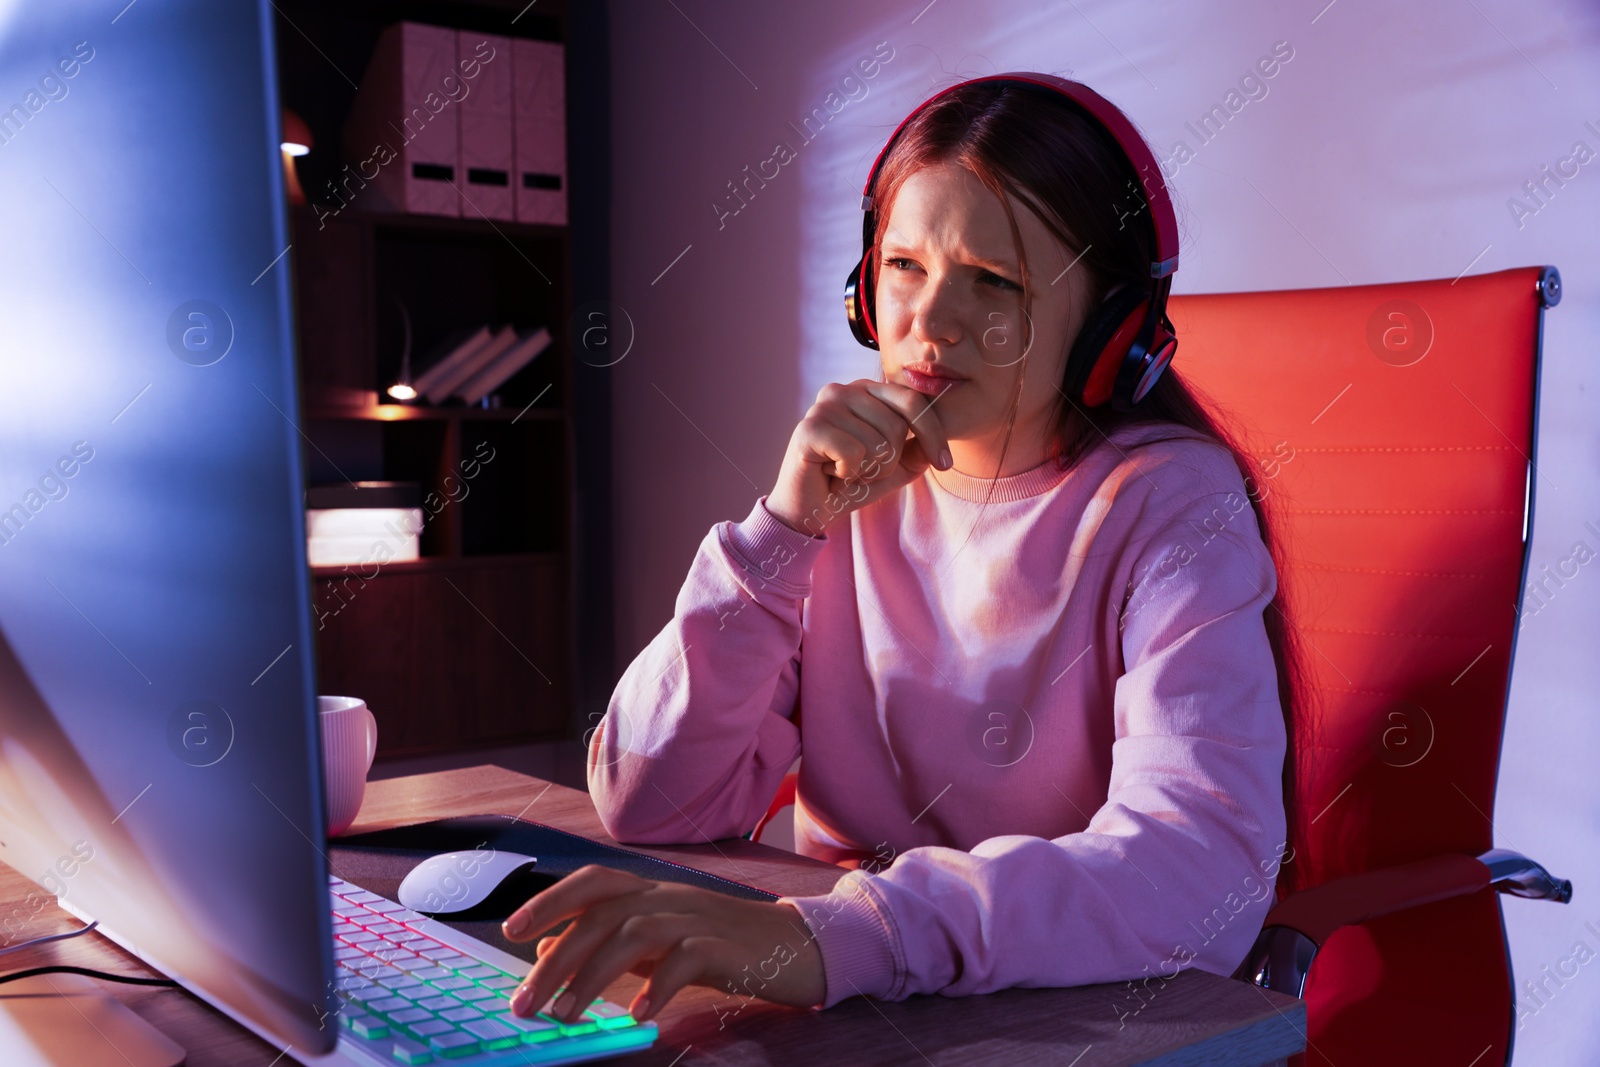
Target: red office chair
1396, 428
1410, 412
783, 799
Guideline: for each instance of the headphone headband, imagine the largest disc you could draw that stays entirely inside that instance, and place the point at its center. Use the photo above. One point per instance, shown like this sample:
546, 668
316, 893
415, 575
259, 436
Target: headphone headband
1109, 118
1126, 344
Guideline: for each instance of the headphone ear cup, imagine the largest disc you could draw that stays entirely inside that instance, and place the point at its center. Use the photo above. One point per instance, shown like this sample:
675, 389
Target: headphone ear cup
1093, 358
858, 305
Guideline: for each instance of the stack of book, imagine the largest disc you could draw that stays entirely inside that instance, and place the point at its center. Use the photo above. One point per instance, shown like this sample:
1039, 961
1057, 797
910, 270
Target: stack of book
471, 364
363, 523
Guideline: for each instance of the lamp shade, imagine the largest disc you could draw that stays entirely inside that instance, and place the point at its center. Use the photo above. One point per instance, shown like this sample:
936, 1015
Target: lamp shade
296, 142
296, 134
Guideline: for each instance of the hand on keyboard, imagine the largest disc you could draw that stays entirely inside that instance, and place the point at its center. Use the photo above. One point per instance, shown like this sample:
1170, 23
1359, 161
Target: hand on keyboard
673, 935
412, 990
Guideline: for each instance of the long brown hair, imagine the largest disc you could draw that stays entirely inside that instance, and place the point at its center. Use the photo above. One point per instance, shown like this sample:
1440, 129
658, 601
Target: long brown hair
1041, 151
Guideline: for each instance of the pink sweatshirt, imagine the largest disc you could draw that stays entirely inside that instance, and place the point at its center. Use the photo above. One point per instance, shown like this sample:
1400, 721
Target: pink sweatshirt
1052, 750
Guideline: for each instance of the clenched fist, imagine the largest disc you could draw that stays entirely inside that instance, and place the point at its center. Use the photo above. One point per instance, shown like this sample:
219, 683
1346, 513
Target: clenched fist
858, 443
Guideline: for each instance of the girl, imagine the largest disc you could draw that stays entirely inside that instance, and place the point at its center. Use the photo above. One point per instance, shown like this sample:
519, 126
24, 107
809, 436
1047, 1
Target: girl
1044, 701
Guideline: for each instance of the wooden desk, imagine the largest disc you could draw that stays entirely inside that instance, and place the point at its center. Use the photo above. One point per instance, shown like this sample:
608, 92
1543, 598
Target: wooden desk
1195, 1019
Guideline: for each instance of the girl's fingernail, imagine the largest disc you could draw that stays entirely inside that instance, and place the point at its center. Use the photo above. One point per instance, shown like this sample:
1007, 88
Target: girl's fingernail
520, 1002
945, 462
640, 1010
563, 1005
516, 925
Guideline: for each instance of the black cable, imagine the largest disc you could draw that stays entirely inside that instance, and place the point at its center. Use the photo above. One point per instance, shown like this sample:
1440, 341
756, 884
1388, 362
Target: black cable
63, 969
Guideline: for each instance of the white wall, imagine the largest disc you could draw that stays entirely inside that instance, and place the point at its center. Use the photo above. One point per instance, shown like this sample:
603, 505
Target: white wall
1386, 149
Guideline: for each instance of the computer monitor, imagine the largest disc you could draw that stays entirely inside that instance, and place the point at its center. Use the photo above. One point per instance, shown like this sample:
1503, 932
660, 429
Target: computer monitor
159, 747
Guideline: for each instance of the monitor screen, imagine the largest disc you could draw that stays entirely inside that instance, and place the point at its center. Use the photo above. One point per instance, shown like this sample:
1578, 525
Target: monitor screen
159, 756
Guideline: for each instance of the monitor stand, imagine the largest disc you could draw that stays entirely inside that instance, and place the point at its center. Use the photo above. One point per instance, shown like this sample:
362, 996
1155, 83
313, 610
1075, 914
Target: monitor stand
57, 1020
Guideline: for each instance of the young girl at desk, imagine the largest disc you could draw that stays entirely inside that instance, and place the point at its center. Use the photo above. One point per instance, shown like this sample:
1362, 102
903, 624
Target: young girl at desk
1018, 592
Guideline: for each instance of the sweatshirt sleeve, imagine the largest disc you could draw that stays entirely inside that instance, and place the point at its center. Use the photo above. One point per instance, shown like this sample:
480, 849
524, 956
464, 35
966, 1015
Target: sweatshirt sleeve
1177, 867
697, 735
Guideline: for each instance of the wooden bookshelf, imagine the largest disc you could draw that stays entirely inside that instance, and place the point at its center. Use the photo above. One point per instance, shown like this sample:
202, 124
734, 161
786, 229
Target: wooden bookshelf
473, 644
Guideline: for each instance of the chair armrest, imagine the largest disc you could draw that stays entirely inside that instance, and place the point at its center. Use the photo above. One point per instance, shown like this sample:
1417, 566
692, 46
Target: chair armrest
1512, 872
1319, 911
1295, 929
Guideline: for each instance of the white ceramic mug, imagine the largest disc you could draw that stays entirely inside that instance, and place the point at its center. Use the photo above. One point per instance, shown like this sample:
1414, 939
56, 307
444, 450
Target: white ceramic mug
349, 741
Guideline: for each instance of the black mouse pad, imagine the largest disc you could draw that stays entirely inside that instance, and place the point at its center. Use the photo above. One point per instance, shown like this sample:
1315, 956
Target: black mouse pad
379, 860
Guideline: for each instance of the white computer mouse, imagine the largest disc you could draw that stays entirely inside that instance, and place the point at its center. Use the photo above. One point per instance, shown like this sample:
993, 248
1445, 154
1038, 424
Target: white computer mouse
457, 881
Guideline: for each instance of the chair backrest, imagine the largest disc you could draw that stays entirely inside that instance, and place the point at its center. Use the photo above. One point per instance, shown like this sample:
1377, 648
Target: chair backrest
1396, 429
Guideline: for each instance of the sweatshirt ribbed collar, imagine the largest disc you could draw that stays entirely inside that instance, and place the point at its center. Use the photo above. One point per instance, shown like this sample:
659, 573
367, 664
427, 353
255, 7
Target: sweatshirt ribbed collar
974, 487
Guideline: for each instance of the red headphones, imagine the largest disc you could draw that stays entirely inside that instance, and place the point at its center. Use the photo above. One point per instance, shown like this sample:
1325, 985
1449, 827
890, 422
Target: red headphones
1128, 341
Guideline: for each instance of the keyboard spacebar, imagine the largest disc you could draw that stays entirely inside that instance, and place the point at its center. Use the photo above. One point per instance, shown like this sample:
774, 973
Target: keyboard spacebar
594, 1045
528, 1056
